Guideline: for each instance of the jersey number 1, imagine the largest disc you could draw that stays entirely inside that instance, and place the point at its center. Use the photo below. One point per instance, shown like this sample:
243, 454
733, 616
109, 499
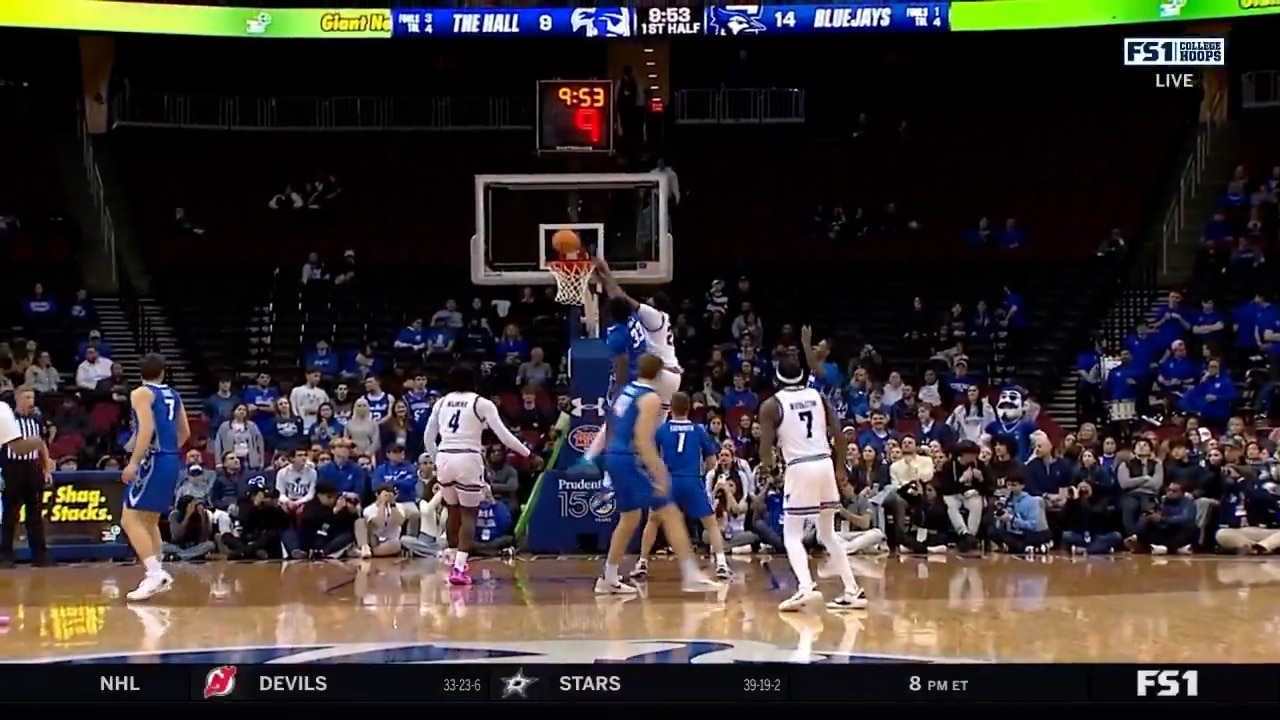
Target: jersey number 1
455, 421
807, 417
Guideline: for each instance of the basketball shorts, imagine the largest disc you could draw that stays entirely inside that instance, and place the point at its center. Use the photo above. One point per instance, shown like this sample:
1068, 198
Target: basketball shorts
632, 487
157, 483
666, 384
689, 493
809, 486
461, 476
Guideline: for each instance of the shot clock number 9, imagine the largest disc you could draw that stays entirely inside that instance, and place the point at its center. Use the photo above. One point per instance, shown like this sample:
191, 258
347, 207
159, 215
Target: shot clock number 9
575, 116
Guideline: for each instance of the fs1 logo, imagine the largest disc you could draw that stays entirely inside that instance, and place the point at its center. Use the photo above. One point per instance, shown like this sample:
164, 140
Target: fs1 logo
1169, 52
1169, 683
580, 407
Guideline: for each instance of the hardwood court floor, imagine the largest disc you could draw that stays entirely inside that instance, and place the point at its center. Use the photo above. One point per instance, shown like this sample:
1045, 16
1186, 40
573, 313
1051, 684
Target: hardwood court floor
1135, 609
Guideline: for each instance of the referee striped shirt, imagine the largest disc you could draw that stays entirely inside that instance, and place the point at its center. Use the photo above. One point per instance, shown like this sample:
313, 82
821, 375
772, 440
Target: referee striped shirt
29, 426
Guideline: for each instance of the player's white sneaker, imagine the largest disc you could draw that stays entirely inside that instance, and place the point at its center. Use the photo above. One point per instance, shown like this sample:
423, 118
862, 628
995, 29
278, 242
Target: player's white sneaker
699, 583
849, 601
151, 586
723, 572
641, 570
617, 587
803, 598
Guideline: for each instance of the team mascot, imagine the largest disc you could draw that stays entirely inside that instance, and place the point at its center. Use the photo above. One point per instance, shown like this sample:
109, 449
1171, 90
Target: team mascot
1013, 421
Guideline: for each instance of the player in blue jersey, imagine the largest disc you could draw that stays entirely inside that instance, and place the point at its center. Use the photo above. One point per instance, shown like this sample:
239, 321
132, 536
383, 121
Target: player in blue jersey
625, 341
639, 479
686, 446
153, 472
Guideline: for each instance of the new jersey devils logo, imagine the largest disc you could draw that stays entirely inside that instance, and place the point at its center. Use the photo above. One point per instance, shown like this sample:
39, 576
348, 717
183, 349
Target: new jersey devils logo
220, 681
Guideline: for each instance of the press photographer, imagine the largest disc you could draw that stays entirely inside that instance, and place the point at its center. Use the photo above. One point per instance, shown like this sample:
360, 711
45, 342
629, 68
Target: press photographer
191, 530
259, 525
1086, 516
326, 525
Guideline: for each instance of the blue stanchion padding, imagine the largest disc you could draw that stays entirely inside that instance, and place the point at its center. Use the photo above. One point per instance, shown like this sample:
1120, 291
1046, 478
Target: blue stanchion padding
572, 514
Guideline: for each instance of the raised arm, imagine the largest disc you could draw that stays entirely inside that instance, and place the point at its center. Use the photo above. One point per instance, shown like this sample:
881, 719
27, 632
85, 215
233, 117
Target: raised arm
611, 286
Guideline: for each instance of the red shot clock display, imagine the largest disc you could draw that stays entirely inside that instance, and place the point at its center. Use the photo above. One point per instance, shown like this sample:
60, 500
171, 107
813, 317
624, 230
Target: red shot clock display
575, 116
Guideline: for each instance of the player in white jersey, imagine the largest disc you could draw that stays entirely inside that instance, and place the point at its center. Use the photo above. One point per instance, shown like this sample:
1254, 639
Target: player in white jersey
800, 420
659, 336
459, 419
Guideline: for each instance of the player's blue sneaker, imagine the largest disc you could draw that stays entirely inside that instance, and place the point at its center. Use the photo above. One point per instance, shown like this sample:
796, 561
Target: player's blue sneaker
584, 469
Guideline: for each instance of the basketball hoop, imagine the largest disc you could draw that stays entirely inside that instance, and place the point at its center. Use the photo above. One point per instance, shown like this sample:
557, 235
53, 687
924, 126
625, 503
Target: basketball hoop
572, 278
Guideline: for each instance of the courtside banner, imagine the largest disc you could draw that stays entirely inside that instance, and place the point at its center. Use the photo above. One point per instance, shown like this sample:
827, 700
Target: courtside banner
80, 508
158, 19
861, 682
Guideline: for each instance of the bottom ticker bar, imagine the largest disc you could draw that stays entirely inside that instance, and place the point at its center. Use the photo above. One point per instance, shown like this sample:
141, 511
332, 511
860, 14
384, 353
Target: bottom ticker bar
605, 682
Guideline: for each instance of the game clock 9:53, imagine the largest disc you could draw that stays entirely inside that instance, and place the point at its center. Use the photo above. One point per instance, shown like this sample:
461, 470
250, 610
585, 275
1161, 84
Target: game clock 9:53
575, 116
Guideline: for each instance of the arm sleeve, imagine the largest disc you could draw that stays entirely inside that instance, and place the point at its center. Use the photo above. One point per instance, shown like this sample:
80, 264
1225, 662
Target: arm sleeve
8, 425
489, 414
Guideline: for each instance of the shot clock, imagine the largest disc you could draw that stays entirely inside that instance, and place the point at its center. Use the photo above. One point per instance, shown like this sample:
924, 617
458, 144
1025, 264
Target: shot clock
575, 116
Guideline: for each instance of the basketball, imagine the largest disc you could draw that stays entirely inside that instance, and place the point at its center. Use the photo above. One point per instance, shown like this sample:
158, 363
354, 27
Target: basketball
566, 241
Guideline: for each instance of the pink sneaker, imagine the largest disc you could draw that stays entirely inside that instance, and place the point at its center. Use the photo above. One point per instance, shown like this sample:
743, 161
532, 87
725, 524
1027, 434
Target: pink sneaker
459, 577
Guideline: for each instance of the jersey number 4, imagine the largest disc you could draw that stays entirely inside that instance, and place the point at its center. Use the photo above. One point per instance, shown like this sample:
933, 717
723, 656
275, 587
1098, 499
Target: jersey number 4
454, 421
807, 417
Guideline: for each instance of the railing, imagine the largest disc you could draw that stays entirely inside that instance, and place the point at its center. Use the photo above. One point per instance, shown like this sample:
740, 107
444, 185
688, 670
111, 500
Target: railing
1175, 218
106, 227
220, 112
1260, 89
739, 106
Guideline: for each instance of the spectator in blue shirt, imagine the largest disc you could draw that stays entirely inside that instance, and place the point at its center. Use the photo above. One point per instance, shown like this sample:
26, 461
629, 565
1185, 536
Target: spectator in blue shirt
94, 341
1125, 381
218, 406
1244, 319
1208, 327
81, 312
493, 526
261, 399
411, 337
1169, 526
740, 395
878, 433
324, 359
39, 307
399, 473
1012, 236
441, 339
1172, 321
511, 349
1144, 350
1177, 373
1211, 398
1017, 526
1014, 315
343, 473
961, 379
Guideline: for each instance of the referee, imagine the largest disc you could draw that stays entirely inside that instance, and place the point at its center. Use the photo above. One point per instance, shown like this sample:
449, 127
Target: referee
24, 463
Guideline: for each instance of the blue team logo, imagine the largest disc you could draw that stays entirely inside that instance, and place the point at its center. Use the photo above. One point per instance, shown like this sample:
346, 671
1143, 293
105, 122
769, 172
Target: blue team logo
601, 22
603, 503
736, 20
533, 652
581, 437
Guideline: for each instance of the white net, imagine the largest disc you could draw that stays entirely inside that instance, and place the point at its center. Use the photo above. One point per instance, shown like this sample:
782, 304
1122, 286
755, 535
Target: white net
572, 279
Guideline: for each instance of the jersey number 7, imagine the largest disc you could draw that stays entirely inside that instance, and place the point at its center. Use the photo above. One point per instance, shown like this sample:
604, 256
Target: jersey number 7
807, 417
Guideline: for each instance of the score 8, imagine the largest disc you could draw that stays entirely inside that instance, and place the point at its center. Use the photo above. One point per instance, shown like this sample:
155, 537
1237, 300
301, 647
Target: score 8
544, 22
